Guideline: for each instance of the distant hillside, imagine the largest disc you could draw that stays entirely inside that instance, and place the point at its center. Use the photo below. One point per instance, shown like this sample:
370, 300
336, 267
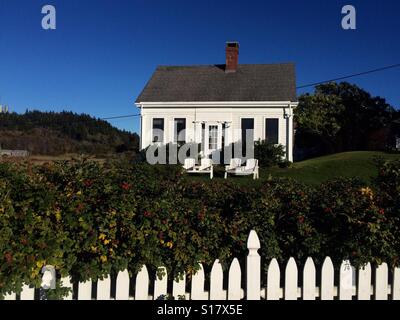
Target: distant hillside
51, 133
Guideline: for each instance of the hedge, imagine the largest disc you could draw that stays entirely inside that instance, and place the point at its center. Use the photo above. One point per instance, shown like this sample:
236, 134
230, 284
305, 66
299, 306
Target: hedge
90, 219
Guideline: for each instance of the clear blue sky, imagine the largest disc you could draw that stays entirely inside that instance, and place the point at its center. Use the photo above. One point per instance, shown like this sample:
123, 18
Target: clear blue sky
104, 51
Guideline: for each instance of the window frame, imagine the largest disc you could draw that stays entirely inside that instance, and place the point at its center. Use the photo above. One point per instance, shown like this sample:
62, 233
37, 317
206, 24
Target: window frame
277, 129
153, 128
176, 133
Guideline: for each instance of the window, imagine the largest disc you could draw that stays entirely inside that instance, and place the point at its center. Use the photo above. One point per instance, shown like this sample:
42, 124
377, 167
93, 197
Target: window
247, 134
247, 128
212, 137
203, 137
158, 130
271, 130
179, 130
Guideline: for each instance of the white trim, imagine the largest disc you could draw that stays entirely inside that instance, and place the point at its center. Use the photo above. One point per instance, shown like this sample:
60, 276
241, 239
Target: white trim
218, 104
264, 126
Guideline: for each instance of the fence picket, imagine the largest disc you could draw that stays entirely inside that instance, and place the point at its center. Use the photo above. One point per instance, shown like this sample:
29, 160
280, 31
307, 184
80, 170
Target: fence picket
327, 280
364, 283
396, 284
142, 284
345, 281
309, 280
179, 288
27, 293
10, 296
122, 286
66, 282
381, 282
160, 286
85, 290
216, 282
253, 268
273, 281
234, 281
291, 278
103, 289
198, 279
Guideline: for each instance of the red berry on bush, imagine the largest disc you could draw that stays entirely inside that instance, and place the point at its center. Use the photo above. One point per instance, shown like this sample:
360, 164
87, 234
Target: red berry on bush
9, 258
147, 214
125, 186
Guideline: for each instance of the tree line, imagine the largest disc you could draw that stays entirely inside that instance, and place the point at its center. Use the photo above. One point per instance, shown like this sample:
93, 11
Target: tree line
53, 133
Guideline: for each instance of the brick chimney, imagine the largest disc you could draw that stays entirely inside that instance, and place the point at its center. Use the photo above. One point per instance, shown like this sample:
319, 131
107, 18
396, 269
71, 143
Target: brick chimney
232, 56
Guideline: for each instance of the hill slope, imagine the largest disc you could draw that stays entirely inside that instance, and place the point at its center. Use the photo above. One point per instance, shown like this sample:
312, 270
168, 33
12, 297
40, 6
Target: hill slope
51, 133
348, 164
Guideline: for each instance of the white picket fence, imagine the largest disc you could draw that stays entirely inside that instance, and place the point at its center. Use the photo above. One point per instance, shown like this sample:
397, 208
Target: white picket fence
352, 284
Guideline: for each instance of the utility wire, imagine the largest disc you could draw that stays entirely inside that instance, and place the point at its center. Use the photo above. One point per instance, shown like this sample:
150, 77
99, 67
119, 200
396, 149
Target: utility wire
299, 87
351, 76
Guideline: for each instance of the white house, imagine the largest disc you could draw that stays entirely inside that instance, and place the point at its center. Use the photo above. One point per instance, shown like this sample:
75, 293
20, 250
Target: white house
215, 104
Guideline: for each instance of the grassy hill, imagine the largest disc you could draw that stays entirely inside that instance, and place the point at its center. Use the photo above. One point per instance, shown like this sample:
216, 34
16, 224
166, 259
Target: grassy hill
315, 171
348, 164
52, 133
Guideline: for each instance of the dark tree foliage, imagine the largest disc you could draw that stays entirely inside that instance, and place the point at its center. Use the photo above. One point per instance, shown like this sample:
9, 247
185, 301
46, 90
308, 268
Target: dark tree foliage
52, 133
341, 117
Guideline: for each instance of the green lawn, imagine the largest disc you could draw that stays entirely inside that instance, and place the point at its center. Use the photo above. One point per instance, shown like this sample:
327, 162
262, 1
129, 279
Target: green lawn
314, 171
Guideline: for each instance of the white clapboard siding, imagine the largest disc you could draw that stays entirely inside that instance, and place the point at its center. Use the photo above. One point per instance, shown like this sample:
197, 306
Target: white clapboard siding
253, 268
85, 290
381, 282
179, 287
327, 280
217, 281
309, 280
142, 284
104, 289
122, 286
345, 281
396, 284
66, 282
364, 283
160, 285
291, 280
234, 281
273, 281
27, 293
197, 290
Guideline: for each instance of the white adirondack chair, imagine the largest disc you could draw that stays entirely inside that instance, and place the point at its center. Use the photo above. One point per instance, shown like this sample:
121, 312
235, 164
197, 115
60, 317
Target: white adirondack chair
251, 167
206, 166
233, 165
189, 164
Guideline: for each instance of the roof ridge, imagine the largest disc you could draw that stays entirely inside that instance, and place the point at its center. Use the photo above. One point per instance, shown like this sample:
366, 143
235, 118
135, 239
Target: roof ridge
222, 64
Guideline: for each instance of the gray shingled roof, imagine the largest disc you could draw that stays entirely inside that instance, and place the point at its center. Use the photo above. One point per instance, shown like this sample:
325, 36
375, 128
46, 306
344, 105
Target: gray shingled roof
251, 82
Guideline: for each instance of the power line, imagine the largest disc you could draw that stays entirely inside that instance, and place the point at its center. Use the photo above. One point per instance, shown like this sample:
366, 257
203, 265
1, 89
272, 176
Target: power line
351, 76
299, 87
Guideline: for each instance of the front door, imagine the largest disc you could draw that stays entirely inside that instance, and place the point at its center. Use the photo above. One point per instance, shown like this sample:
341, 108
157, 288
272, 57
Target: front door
213, 138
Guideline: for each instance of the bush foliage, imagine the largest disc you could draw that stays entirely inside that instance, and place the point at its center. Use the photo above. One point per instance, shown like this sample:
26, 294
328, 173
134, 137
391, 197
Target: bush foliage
89, 219
269, 154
